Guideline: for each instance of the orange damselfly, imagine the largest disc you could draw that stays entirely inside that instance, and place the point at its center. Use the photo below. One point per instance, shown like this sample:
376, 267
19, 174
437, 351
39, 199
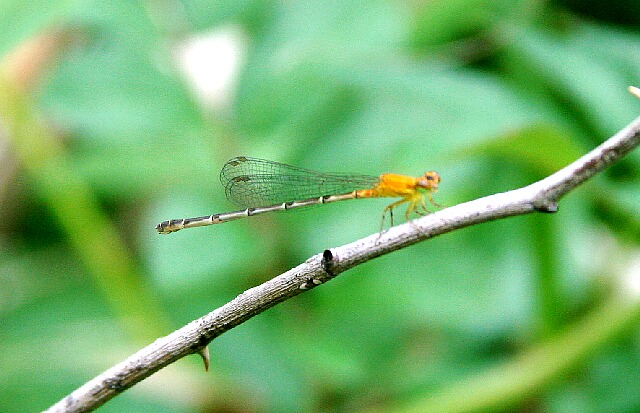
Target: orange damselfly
260, 186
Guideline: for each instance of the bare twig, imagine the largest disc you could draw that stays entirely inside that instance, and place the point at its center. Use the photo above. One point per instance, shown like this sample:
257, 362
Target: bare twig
195, 336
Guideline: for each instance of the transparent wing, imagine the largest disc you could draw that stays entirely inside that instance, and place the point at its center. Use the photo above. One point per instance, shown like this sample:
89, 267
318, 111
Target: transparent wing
252, 182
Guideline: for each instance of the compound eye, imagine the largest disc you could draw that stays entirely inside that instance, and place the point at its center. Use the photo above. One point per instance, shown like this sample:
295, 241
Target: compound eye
432, 177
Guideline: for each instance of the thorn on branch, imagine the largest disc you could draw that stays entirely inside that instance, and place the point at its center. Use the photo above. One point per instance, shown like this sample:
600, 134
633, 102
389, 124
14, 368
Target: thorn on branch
310, 283
546, 206
204, 353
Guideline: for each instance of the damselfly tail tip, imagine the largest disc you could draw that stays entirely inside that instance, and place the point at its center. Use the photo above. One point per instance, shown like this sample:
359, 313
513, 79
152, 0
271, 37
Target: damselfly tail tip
165, 228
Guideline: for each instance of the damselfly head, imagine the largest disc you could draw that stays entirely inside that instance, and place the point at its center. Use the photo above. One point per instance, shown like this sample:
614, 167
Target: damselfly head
429, 181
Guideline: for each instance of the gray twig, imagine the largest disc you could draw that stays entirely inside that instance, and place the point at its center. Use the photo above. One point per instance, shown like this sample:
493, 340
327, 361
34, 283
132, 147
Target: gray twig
195, 336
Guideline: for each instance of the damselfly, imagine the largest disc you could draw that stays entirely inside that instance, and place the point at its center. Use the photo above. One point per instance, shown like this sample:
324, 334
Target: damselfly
260, 186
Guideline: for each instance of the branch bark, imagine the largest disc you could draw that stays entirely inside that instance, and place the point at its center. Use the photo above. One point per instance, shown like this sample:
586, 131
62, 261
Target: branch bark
194, 337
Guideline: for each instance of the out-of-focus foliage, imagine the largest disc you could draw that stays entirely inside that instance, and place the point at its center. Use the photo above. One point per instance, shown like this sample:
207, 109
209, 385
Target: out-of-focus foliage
492, 94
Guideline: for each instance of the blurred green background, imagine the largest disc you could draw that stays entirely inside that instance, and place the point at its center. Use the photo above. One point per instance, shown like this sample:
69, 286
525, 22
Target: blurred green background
139, 104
